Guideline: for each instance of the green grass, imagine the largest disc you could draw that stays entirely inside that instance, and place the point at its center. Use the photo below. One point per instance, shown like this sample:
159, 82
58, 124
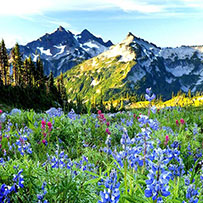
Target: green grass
83, 164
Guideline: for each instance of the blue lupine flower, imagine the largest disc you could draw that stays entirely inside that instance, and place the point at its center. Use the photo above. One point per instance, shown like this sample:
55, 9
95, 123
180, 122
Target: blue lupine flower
175, 144
158, 176
53, 112
2, 161
44, 185
108, 143
40, 196
153, 109
149, 90
111, 193
19, 178
195, 129
125, 140
192, 194
153, 124
4, 193
149, 96
160, 200
157, 183
72, 115
187, 181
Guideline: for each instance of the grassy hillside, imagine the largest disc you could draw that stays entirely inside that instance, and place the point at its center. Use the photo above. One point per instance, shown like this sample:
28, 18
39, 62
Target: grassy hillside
95, 78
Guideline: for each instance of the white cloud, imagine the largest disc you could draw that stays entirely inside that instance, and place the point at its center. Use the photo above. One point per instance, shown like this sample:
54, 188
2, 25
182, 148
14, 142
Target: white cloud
28, 7
59, 23
11, 39
136, 5
193, 3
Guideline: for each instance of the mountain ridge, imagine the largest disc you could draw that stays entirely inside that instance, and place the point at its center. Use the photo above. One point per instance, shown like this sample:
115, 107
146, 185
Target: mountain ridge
96, 67
137, 64
61, 49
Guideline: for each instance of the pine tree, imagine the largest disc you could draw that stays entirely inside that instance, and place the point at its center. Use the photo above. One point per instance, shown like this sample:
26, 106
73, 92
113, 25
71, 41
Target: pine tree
51, 86
62, 90
39, 77
62, 87
31, 73
26, 74
18, 69
4, 65
1, 81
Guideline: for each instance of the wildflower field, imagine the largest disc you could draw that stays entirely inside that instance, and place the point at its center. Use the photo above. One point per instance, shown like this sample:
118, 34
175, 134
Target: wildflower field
149, 155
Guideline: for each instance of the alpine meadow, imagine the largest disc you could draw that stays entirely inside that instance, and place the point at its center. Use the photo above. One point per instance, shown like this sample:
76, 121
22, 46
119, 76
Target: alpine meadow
105, 105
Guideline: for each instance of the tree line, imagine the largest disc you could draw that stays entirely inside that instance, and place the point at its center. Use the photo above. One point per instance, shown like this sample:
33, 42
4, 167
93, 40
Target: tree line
23, 83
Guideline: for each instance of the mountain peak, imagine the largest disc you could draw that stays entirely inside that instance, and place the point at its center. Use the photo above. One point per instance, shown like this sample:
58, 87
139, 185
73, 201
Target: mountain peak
132, 38
61, 29
130, 34
86, 36
85, 31
129, 38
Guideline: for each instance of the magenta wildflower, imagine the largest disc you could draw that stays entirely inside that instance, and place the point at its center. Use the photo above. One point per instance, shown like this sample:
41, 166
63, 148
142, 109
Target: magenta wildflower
182, 121
49, 125
43, 124
167, 138
107, 131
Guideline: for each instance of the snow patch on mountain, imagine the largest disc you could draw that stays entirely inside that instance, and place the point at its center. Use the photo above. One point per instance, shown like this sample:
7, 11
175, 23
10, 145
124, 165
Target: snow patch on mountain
182, 52
120, 50
46, 52
61, 48
90, 44
60, 44
93, 48
180, 70
35, 57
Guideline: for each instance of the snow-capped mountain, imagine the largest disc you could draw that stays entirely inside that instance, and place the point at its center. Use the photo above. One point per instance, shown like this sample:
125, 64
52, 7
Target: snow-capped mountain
135, 64
61, 50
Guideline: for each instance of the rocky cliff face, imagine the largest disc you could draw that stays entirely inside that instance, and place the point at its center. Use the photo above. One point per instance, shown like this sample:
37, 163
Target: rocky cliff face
61, 50
135, 64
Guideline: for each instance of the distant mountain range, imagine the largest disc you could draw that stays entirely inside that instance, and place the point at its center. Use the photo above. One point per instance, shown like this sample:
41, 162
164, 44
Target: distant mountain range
95, 67
61, 50
135, 64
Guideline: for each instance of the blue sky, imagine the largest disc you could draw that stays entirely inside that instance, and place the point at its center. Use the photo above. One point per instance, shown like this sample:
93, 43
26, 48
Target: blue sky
163, 22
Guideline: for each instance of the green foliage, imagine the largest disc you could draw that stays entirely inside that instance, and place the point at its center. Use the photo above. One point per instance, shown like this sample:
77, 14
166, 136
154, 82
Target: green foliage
27, 87
108, 75
81, 136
